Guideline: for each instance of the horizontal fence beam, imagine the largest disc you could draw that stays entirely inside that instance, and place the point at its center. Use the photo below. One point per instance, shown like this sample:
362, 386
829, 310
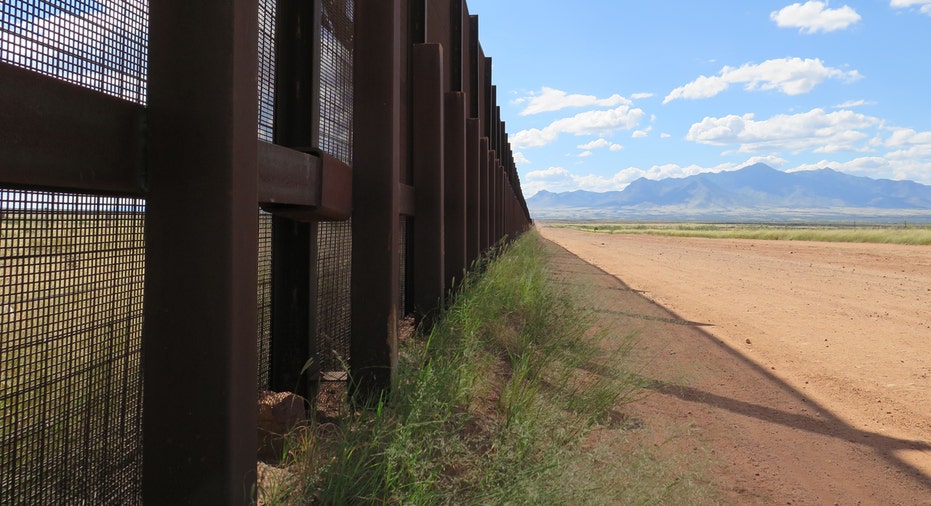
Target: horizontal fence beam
301, 186
60, 136
57, 135
407, 197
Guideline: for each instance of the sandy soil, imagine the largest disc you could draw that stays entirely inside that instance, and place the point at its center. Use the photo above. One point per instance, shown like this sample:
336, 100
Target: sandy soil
803, 368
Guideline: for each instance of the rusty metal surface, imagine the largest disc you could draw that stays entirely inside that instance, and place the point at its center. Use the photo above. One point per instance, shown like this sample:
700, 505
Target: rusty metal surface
376, 174
455, 188
473, 197
199, 435
60, 135
484, 156
301, 186
407, 197
427, 155
288, 177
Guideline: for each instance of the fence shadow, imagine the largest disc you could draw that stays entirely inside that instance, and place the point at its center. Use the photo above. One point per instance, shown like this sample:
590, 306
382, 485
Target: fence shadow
827, 424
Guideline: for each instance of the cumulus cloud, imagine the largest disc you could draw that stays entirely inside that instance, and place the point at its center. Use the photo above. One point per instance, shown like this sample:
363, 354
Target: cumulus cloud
904, 137
792, 76
601, 144
586, 123
815, 130
853, 103
884, 167
907, 156
641, 96
923, 5
640, 134
550, 99
813, 16
520, 159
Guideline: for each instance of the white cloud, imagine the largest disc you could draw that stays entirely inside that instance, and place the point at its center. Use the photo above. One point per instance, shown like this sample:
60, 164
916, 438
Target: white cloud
813, 16
640, 134
792, 76
906, 137
909, 157
878, 167
550, 99
585, 154
815, 130
664, 135
601, 144
585, 123
520, 159
923, 5
641, 96
853, 103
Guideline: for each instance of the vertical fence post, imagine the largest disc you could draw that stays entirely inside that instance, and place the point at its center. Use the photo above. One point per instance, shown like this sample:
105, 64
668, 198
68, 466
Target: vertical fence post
376, 206
428, 158
485, 159
473, 197
455, 142
199, 352
294, 243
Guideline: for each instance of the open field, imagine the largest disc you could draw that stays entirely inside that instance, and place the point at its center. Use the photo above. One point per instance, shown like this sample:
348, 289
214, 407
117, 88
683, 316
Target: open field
809, 371
901, 233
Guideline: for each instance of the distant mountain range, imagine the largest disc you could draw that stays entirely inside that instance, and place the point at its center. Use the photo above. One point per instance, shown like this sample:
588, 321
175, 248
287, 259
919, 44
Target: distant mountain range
755, 192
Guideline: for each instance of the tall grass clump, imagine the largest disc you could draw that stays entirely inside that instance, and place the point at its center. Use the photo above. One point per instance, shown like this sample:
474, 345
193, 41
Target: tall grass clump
492, 405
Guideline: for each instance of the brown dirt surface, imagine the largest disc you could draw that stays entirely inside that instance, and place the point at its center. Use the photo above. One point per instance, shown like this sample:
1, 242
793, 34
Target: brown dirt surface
799, 371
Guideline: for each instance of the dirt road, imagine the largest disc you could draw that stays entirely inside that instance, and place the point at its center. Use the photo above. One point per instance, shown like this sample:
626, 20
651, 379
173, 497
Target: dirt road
812, 383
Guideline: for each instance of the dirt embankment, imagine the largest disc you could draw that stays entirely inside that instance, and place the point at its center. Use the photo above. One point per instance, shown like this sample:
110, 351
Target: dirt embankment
804, 368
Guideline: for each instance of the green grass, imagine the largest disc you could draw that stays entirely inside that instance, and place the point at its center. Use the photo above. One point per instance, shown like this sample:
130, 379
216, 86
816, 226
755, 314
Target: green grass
886, 234
492, 406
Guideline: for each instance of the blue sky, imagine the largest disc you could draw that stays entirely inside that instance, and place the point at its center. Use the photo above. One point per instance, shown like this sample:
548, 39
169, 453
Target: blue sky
597, 93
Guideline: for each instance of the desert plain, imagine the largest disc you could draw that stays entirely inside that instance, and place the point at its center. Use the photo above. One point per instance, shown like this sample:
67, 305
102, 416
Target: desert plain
808, 377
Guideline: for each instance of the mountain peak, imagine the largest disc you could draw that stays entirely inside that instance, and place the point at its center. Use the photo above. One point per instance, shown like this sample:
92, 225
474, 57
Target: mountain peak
757, 186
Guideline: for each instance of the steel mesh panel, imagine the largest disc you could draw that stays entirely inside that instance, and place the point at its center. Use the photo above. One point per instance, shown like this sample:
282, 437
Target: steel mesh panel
71, 288
402, 292
334, 258
336, 79
264, 300
101, 45
266, 131
334, 274
266, 65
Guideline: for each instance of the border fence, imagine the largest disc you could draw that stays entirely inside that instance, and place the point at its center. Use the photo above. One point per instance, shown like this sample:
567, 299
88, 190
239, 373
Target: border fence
198, 197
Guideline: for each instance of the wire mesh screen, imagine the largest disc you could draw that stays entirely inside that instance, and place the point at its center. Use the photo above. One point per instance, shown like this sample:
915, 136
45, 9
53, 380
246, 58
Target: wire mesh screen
334, 257
334, 268
98, 44
71, 275
336, 79
266, 132
264, 300
267, 17
403, 270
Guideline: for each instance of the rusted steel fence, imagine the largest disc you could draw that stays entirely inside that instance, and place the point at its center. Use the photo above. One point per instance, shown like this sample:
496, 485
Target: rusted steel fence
198, 197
